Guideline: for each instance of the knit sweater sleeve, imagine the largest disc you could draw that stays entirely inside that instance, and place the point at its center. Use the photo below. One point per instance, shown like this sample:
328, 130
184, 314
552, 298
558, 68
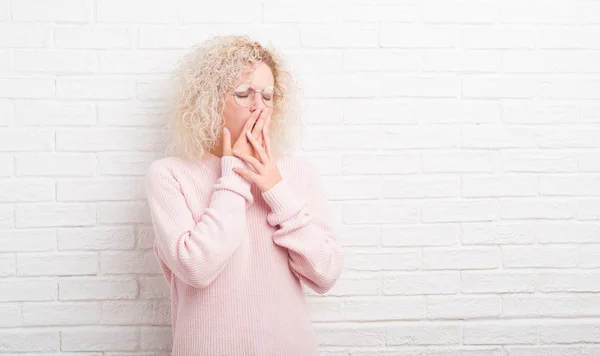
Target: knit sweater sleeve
197, 252
303, 227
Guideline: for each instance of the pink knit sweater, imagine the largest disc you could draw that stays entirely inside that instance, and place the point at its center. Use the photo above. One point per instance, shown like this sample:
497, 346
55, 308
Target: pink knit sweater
234, 257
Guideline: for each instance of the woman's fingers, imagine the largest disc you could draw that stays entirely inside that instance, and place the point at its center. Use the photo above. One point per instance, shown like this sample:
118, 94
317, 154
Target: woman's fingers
260, 151
226, 142
246, 174
260, 123
266, 138
258, 167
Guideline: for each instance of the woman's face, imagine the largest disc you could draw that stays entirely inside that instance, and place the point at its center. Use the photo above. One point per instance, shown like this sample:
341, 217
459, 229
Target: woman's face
258, 76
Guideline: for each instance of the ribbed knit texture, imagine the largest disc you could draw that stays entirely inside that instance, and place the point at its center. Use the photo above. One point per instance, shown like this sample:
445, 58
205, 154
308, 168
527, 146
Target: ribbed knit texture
234, 257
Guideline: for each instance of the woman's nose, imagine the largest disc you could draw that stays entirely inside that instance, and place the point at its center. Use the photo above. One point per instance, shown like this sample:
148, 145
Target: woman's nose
258, 102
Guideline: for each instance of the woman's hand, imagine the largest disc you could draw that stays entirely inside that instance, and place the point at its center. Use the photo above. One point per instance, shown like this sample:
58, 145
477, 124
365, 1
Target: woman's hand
255, 122
266, 173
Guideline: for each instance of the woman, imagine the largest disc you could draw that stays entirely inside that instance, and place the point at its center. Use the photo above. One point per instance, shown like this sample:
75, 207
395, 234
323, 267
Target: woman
239, 224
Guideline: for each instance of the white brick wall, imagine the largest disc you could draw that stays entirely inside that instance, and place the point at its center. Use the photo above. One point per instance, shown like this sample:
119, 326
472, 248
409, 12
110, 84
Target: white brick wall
458, 141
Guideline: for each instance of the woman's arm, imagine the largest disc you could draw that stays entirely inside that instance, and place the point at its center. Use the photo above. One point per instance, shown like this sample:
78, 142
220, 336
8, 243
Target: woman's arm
304, 229
197, 252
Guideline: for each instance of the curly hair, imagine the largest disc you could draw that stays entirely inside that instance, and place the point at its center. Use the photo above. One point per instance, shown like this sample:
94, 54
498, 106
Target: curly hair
203, 80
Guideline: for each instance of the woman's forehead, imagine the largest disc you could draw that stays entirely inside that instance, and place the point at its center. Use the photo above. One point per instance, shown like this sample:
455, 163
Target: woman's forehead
259, 76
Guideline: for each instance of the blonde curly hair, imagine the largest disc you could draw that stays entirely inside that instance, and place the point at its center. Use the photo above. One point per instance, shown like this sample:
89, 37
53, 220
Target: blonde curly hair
203, 80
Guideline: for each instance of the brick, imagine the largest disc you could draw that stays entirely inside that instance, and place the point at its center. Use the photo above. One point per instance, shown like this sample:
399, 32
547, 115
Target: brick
47, 113
59, 264
123, 213
26, 139
377, 111
424, 334
570, 185
55, 164
97, 288
382, 60
27, 190
423, 137
386, 212
56, 61
26, 87
351, 335
346, 35
100, 189
418, 36
153, 287
569, 332
24, 35
10, 315
470, 11
502, 233
355, 284
310, 12
575, 305
7, 166
463, 161
8, 265
137, 11
46, 314
462, 61
388, 259
569, 137
93, 140
498, 36
366, 236
153, 312
537, 161
55, 214
29, 340
535, 208
94, 88
325, 111
138, 62
554, 350
156, 338
58, 11
193, 12
27, 289
396, 85
406, 11
483, 87
344, 188
461, 258
7, 216
465, 210
587, 88
420, 235
461, 307
335, 85
95, 238
129, 262
28, 240
499, 186
451, 111
92, 37
432, 186
418, 283
568, 37
389, 163
539, 257
113, 338
534, 61
131, 114
497, 282
499, 332
386, 308
568, 282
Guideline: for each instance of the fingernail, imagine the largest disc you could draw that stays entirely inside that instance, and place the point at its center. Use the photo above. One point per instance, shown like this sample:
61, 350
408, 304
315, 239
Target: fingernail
236, 153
